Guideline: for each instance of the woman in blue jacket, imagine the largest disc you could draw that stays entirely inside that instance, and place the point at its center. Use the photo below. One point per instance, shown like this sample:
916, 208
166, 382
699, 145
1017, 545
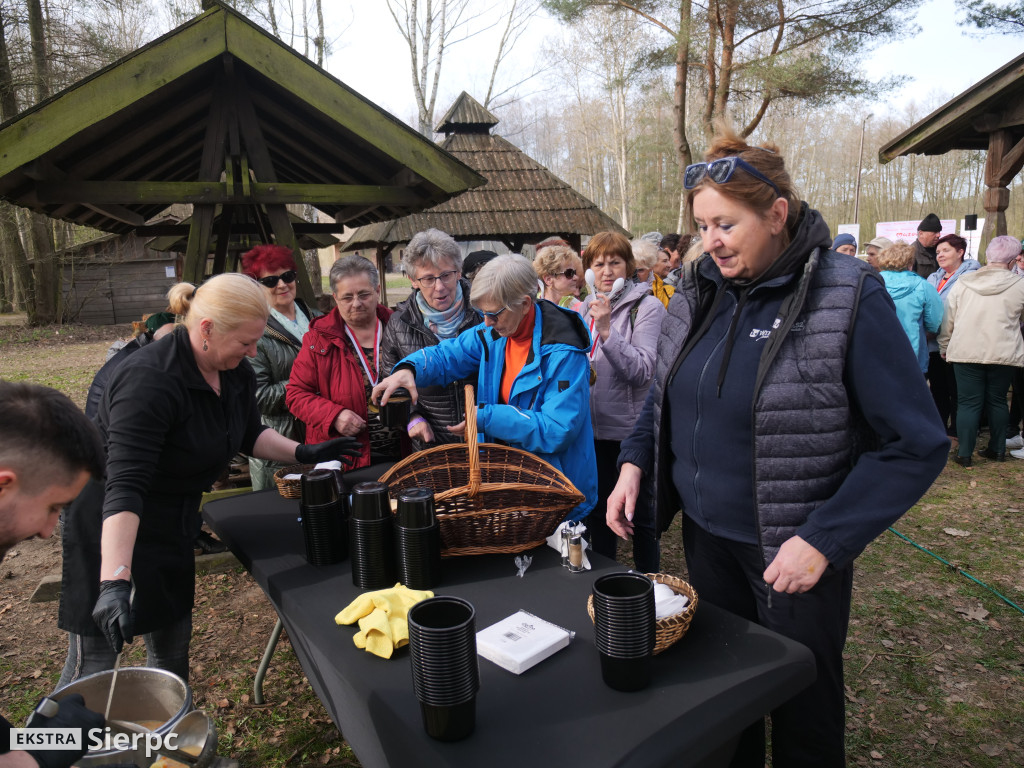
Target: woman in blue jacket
533, 373
918, 305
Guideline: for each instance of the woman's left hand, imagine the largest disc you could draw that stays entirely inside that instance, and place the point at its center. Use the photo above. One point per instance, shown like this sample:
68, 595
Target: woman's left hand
343, 448
601, 313
796, 568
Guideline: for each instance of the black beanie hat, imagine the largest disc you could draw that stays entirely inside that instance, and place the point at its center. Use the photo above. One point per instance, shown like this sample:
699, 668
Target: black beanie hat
930, 223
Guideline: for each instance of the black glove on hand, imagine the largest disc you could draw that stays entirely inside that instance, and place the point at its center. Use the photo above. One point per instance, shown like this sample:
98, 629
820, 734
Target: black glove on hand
339, 448
113, 612
72, 713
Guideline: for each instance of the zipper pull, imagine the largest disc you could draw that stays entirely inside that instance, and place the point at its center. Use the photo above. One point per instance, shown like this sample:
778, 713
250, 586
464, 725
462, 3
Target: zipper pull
770, 590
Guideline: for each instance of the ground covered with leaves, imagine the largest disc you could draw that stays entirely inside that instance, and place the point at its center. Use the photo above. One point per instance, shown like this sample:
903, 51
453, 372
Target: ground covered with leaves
934, 660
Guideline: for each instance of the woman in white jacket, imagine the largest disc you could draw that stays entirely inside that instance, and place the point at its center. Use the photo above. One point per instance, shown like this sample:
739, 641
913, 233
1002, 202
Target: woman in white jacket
981, 337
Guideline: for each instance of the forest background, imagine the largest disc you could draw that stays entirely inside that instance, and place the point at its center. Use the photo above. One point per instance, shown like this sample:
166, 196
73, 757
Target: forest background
614, 96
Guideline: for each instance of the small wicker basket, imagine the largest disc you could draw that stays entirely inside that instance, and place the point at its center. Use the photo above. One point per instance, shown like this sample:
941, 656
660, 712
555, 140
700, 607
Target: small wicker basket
291, 489
489, 498
671, 628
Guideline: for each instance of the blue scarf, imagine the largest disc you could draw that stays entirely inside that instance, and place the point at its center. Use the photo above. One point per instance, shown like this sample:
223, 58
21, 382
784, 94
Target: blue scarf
443, 323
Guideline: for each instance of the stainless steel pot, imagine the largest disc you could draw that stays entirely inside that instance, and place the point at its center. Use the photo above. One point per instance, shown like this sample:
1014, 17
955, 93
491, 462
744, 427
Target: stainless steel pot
142, 694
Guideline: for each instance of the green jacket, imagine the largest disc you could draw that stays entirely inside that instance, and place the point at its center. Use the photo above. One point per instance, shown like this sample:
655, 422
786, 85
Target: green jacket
275, 352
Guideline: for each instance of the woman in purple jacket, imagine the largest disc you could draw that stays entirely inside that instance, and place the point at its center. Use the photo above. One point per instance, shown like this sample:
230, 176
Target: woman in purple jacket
624, 323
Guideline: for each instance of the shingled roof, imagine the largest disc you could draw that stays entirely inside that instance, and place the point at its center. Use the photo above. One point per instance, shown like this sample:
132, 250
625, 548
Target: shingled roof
522, 201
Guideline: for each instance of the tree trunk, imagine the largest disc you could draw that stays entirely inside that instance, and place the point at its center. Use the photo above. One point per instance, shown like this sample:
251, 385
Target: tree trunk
321, 35
684, 154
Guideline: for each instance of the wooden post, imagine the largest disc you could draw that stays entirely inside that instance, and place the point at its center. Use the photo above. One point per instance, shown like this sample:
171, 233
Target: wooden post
381, 264
1002, 163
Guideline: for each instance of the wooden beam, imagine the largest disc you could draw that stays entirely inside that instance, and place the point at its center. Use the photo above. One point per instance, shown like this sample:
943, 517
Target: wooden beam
53, 192
1012, 162
238, 228
259, 156
280, 64
212, 161
37, 131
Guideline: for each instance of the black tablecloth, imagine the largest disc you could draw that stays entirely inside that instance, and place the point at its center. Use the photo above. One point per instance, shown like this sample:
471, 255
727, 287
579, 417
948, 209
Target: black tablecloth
723, 675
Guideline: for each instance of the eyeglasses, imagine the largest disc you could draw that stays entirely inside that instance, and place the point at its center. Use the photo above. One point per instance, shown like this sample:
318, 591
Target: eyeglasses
270, 281
348, 298
569, 274
445, 277
721, 170
492, 316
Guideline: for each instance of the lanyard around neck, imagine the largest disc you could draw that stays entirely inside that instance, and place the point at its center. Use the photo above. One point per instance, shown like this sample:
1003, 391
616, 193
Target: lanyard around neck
373, 374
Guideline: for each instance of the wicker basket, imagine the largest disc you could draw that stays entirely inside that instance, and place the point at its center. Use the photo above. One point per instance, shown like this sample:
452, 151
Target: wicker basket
671, 628
291, 489
489, 498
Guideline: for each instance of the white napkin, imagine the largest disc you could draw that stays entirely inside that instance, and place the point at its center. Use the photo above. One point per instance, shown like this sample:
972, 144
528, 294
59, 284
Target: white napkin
667, 602
328, 465
556, 543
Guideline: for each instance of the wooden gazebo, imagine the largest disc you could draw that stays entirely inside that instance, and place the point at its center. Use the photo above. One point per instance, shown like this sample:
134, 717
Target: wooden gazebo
220, 114
989, 115
522, 201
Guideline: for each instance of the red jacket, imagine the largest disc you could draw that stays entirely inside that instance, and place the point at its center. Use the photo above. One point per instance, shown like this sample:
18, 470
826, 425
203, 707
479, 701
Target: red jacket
327, 378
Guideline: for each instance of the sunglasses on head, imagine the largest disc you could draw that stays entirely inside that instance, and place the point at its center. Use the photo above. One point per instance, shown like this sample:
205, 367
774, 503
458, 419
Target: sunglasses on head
270, 281
721, 170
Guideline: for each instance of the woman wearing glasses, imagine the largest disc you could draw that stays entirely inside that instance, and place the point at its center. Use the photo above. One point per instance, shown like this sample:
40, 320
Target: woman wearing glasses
438, 309
788, 419
533, 377
273, 267
557, 267
624, 319
340, 362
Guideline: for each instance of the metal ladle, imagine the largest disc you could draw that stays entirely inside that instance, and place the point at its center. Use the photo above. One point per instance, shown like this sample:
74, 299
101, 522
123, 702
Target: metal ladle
195, 730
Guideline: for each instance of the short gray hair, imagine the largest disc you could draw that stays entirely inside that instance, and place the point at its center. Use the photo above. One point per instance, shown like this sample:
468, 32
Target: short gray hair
505, 279
350, 266
431, 246
645, 253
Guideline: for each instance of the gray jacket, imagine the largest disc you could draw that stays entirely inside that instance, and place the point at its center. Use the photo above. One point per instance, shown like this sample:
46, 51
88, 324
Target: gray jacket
625, 363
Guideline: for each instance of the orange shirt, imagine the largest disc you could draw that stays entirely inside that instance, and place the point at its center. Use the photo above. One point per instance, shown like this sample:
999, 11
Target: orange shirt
517, 351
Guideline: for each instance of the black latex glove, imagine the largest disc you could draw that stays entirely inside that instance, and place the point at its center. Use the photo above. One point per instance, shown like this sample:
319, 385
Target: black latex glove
72, 713
113, 612
343, 448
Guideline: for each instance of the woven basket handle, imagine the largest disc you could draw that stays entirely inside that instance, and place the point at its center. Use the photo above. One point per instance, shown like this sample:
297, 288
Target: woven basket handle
474, 453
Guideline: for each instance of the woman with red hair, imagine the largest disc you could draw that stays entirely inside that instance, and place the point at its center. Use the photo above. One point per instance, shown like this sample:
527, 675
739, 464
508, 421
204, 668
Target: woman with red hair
273, 267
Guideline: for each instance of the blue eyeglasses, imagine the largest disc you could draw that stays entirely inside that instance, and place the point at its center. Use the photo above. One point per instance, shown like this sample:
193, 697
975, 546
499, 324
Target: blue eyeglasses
721, 170
492, 316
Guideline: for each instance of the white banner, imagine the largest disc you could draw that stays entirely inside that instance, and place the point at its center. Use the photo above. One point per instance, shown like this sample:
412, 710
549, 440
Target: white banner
907, 230
851, 229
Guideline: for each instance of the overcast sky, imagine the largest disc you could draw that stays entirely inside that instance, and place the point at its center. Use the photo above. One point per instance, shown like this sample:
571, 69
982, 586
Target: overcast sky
372, 58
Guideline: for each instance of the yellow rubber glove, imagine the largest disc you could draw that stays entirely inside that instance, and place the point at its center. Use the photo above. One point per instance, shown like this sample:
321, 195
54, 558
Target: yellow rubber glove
355, 610
375, 634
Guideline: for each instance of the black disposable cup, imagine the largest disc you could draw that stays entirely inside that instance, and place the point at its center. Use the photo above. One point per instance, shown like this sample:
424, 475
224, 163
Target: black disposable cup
415, 508
324, 533
626, 674
395, 413
451, 723
372, 551
418, 555
319, 486
370, 501
444, 664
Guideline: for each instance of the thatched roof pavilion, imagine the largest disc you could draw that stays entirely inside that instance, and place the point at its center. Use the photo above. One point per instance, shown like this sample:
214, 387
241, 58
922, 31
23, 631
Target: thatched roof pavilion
522, 201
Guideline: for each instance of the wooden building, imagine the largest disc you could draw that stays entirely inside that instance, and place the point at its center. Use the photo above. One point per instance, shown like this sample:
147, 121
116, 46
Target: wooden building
521, 203
990, 116
220, 114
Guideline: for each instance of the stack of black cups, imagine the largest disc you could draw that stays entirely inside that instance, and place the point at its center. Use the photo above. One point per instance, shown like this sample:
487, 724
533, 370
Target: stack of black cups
624, 629
445, 670
371, 537
323, 512
417, 539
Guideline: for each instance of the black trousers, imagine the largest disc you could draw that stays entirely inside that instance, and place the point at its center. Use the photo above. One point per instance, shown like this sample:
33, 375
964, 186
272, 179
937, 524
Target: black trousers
646, 544
943, 386
809, 729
